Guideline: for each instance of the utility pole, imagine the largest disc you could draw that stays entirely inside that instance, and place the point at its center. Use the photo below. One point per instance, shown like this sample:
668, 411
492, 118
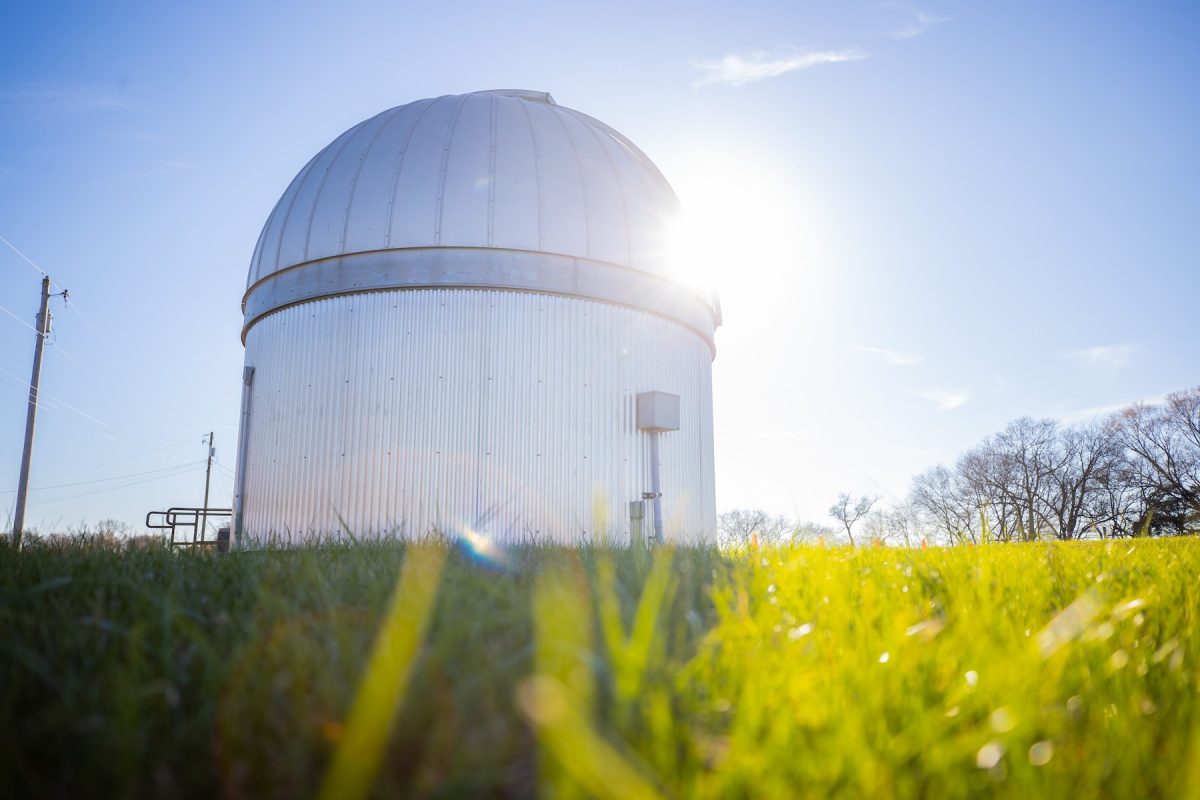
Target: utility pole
43, 328
203, 526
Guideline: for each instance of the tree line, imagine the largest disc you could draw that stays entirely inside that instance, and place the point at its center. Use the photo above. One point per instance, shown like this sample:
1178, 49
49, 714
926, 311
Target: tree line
1134, 473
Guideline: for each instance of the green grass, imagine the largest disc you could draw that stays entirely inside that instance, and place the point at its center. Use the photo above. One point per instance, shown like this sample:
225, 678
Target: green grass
1051, 670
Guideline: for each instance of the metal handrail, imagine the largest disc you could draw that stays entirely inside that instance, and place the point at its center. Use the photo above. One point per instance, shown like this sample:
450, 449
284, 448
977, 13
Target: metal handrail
178, 519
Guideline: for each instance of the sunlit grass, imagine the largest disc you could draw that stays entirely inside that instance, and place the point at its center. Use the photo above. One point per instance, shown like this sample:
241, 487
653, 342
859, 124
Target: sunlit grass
400, 638
1046, 670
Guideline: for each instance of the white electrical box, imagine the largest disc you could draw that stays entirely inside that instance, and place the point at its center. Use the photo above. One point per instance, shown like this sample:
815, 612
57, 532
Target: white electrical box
657, 412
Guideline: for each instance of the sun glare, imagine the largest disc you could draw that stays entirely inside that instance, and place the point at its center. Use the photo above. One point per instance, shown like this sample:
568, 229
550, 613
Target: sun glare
732, 227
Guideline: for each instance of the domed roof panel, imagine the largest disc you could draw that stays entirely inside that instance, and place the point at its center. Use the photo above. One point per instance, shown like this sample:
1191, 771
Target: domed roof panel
266, 254
335, 192
644, 198
413, 221
296, 232
564, 211
608, 221
465, 196
506, 169
369, 213
516, 222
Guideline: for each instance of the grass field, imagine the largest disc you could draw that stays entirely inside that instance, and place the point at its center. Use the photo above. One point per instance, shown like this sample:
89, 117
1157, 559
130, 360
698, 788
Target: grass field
1054, 670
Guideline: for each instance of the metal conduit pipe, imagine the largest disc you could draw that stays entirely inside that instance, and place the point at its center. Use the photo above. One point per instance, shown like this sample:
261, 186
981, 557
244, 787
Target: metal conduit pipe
239, 494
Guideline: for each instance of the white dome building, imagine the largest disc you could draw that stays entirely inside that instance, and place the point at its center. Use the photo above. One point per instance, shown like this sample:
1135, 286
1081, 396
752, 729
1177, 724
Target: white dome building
449, 317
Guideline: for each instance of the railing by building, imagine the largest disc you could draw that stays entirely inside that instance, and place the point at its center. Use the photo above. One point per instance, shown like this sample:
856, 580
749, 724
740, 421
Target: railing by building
192, 527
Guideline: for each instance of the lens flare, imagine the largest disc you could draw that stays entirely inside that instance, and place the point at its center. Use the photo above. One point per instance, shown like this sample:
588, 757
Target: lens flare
482, 547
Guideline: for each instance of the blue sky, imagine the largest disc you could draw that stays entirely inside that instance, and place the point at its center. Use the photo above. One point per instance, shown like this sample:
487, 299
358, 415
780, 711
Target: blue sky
924, 220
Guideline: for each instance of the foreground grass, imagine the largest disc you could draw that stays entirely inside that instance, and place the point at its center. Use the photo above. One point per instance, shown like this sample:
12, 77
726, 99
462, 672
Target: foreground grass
1017, 670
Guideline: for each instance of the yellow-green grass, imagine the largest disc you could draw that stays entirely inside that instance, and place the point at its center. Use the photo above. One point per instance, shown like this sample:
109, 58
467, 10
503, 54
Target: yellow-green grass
1054, 670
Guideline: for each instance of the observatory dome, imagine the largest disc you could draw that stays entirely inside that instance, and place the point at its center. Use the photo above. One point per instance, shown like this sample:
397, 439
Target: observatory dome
555, 198
459, 317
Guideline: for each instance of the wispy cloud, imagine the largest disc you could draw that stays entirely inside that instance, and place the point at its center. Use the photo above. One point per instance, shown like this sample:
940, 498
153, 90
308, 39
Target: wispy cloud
48, 97
1096, 412
1104, 356
917, 22
944, 400
1089, 414
896, 358
738, 70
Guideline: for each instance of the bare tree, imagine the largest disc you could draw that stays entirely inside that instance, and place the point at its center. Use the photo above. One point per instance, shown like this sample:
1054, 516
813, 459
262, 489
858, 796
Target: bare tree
811, 531
890, 525
1164, 441
848, 511
737, 528
903, 524
1029, 458
948, 503
1117, 503
1140, 471
874, 526
1074, 493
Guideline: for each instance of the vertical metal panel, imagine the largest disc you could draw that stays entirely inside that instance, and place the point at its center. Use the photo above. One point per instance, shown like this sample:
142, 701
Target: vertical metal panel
608, 223
511, 413
467, 190
266, 253
564, 210
294, 232
417, 190
364, 222
369, 218
647, 222
515, 207
326, 232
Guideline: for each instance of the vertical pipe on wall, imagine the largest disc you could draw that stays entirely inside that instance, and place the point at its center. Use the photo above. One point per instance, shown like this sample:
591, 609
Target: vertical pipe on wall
239, 495
656, 487
637, 513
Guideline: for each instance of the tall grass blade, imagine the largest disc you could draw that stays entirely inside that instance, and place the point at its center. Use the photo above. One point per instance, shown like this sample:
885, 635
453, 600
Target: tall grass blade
381, 688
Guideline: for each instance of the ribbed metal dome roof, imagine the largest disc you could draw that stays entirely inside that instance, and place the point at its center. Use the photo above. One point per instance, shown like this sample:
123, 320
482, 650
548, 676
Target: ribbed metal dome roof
506, 169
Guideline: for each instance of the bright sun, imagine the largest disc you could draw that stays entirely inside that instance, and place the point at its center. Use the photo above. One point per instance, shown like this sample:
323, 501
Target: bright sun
733, 226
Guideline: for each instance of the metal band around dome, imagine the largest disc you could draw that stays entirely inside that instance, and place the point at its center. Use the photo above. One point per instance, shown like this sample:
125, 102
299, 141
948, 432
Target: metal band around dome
479, 268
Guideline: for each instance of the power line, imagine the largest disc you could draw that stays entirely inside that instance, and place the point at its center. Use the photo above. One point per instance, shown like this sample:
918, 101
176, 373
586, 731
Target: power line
55, 403
181, 471
53, 282
173, 467
44, 401
52, 342
71, 305
18, 319
226, 496
58, 400
59, 349
221, 466
28, 260
118, 460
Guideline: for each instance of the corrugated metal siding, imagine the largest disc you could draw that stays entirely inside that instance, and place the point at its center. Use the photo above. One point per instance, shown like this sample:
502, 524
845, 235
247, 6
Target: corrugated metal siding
506, 412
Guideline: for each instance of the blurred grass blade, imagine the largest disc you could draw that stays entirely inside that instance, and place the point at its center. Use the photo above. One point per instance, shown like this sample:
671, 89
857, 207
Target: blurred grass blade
558, 700
357, 759
562, 625
584, 758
